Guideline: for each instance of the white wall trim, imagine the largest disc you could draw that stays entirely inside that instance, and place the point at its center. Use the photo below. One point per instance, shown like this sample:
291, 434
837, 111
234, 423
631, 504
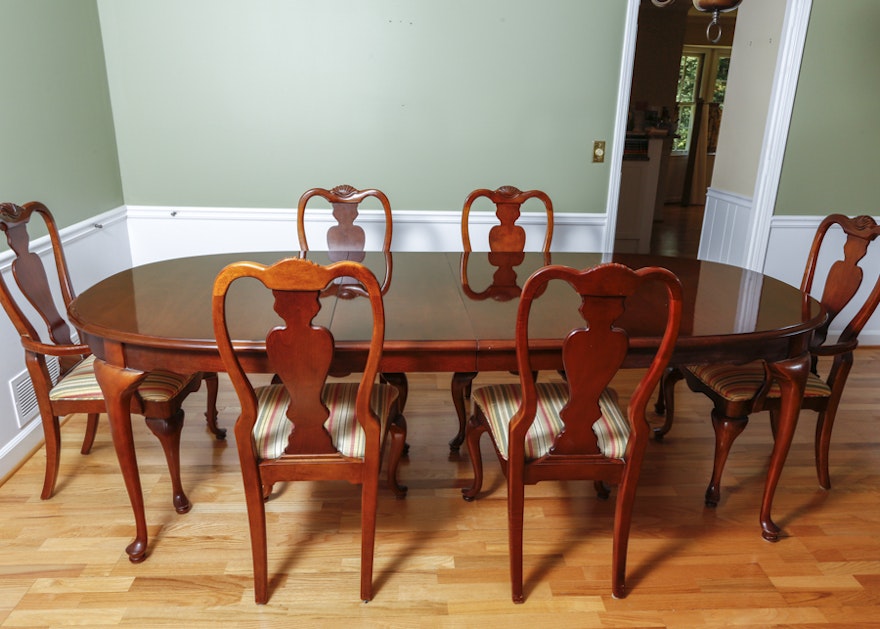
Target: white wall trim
785, 79
159, 232
15, 451
778, 223
69, 235
615, 157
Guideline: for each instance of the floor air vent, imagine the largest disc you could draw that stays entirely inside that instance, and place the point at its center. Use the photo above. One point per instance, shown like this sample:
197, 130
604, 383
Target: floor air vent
23, 395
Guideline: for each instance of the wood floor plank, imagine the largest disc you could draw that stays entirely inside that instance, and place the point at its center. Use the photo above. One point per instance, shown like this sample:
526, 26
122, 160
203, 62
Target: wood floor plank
442, 562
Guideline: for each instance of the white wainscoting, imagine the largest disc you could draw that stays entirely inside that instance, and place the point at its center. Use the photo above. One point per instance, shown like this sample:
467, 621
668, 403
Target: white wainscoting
726, 221
159, 233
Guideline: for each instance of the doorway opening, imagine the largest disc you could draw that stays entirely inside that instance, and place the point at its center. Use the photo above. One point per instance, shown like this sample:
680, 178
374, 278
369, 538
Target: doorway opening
676, 102
702, 85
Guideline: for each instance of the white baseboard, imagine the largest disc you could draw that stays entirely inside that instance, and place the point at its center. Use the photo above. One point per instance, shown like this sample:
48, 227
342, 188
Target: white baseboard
14, 452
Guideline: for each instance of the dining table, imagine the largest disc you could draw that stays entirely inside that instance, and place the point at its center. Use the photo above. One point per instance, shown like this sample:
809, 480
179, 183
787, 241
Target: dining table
444, 312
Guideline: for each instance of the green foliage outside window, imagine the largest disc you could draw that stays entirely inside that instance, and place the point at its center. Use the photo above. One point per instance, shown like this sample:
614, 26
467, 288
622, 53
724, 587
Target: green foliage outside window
688, 78
688, 73
721, 80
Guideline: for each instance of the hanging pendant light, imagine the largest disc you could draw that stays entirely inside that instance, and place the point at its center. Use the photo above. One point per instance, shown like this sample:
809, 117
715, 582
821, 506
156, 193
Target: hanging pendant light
715, 7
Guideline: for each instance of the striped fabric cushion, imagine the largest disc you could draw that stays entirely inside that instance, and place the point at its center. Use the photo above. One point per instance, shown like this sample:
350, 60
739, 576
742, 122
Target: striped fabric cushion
500, 402
80, 384
740, 383
272, 426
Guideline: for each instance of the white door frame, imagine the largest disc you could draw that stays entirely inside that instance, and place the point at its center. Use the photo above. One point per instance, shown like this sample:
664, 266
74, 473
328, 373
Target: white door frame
791, 47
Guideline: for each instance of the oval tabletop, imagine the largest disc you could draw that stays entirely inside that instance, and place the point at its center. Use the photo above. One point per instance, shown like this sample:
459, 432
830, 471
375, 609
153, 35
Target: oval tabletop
441, 308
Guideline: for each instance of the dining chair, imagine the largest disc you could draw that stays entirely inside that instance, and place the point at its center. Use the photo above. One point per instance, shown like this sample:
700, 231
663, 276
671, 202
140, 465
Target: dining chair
345, 235
302, 426
346, 240
738, 391
577, 429
506, 243
72, 387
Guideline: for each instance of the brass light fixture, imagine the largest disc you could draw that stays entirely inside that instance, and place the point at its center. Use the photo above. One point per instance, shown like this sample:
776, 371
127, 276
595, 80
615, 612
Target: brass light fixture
715, 7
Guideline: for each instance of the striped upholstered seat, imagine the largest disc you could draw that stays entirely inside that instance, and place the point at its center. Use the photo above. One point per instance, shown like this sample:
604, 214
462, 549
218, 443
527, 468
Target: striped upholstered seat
500, 403
80, 384
741, 383
328, 438
35, 311
577, 430
850, 295
272, 427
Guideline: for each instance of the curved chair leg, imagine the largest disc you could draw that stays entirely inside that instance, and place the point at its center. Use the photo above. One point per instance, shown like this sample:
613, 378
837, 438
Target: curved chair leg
167, 430
774, 421
461, 392
397, 436
212, 385
727, 429
52, 435
475, 430
824, 426
666, 400
91, 432
660, 404
825, 420
399, 382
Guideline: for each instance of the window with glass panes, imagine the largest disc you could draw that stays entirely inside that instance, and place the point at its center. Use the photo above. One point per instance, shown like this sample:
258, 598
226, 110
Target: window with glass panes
702, 76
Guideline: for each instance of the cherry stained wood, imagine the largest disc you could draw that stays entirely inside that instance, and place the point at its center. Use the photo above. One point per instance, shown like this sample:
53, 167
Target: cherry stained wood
44, 333
300, 354
506, 242
848, 242
159, 313
345, 235
507, 235
592, 354
347, 241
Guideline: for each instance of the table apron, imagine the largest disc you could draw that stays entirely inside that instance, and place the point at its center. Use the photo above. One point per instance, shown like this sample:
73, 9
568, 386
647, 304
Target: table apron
426, 357
441, 357
501, 355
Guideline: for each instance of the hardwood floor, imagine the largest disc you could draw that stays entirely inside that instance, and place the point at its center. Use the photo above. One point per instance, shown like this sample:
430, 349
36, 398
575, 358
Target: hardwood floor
441, 562
678, 234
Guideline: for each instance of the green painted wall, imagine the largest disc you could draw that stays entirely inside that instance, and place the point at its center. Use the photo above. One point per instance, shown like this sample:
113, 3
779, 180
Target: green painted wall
831, 157
247, 103
56, 130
